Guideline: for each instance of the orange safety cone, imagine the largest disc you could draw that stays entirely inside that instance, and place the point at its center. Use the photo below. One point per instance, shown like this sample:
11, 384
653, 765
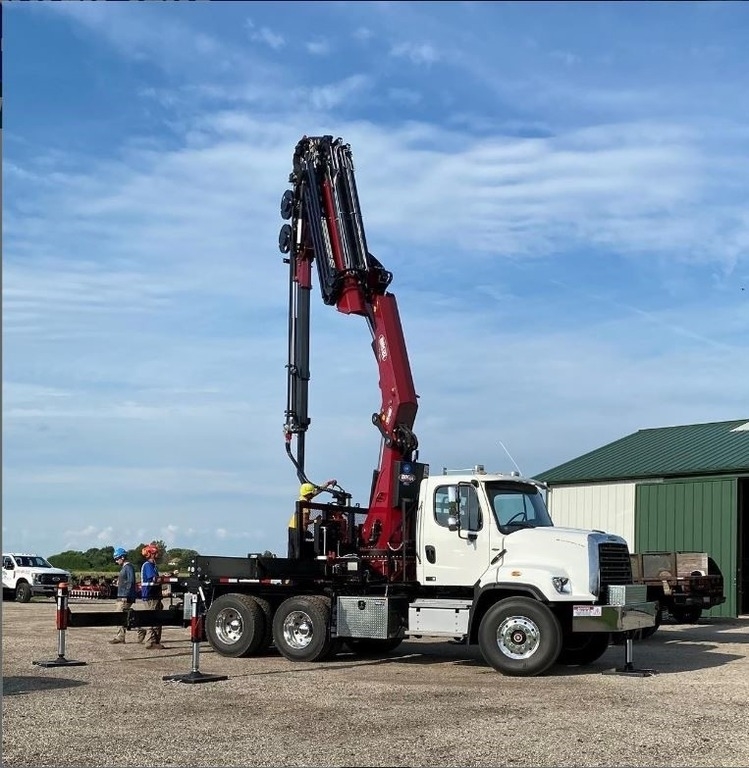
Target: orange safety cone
62, 625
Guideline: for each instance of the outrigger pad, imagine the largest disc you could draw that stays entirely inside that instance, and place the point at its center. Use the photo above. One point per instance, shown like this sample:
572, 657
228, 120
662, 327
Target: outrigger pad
194, 677
628, 670
631, 672
60, 661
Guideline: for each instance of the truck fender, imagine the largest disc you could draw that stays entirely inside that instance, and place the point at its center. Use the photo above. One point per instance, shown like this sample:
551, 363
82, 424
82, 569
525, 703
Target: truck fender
486, 596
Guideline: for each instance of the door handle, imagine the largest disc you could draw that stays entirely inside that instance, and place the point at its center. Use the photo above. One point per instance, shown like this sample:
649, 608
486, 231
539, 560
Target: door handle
430, 553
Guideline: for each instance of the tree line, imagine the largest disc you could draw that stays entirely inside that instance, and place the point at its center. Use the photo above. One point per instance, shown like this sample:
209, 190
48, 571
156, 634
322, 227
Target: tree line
101, 559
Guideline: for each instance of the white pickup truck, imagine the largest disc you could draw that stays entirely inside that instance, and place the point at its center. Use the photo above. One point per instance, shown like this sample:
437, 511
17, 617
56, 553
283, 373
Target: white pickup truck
25, 575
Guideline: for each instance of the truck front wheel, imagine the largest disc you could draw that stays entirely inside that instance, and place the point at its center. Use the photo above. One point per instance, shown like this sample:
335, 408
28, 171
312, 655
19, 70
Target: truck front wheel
519, 636
582, 648
300, 629
235, 625
23, 592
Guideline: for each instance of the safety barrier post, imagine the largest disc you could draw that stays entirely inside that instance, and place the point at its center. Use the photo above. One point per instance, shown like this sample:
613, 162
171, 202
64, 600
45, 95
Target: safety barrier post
62, 625
196, 631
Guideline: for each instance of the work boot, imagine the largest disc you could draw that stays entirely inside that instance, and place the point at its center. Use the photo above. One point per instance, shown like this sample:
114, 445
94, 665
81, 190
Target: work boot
116, 641
155, 647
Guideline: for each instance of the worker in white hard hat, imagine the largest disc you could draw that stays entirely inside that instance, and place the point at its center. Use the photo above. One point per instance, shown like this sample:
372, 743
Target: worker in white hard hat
307, 492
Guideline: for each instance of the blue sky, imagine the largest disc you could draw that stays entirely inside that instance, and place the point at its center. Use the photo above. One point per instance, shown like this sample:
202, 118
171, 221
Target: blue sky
559, 189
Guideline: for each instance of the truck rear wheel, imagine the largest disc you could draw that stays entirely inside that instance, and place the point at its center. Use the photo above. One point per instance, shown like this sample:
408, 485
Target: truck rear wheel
519, 636
235, 625
300, 629
265, 607
582, 648
687, 614
23, 592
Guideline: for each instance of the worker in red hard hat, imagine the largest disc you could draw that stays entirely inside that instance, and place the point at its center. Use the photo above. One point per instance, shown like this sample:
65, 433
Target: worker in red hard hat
307, 492
150, 593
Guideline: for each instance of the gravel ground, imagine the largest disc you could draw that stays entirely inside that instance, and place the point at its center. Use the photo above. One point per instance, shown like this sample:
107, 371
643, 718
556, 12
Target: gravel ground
429, 704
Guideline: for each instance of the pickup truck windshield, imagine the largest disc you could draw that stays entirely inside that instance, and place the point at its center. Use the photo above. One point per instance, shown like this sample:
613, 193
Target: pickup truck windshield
517, 505
31, 561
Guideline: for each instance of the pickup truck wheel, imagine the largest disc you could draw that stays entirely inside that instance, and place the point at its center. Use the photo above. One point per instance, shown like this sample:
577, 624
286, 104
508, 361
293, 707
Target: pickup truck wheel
235, 625
519, 636
688, 614
582, 648
370, 646
300, 629
23, 592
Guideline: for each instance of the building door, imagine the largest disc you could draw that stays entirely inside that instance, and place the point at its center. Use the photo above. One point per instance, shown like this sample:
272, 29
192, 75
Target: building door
696, 515
742, 597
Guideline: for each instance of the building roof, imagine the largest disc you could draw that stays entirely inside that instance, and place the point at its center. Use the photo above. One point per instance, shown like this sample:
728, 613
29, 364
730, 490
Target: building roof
693, 449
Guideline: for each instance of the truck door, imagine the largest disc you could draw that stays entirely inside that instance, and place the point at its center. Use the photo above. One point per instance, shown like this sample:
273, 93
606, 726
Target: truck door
455, 536
8, 569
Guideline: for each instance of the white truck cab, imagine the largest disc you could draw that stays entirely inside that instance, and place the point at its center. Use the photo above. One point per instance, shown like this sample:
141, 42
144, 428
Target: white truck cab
494, 569
479, 529
25, 575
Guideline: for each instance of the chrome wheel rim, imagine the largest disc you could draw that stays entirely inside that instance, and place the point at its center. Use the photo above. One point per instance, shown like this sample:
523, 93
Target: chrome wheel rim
297, 630
229, 626
518, 637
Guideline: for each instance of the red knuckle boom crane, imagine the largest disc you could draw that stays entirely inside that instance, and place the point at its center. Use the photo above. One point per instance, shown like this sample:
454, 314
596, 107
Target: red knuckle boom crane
325, 227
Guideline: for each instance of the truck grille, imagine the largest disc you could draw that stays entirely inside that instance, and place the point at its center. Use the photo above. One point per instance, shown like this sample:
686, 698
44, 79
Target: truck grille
50, 579
615, 566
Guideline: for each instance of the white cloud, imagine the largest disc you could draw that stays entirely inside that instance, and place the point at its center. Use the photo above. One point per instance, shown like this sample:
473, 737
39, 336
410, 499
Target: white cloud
318, 47
363, 34
266, 36
416, 53
327, 97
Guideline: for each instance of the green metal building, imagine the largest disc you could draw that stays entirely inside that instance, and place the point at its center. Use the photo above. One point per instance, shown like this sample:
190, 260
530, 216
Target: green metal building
683, 488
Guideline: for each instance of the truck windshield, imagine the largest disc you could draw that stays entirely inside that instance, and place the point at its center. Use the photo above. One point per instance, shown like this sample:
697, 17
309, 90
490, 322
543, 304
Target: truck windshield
517, 505
32, 561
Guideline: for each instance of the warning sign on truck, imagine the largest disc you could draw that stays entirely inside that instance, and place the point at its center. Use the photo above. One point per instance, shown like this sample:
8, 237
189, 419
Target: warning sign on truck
586, 610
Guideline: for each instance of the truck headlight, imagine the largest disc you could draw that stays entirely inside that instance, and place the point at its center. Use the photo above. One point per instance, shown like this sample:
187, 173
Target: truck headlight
562, 585
36, 578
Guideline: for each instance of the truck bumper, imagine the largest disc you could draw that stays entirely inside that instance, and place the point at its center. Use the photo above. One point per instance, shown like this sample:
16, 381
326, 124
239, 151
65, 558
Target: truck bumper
703, 601
42, 590
613, 618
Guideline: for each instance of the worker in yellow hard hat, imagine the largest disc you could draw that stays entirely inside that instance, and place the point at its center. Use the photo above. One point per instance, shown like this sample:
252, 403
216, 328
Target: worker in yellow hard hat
307, 492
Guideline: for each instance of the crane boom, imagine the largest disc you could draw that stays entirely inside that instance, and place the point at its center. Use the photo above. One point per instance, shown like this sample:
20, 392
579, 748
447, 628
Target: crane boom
325, 226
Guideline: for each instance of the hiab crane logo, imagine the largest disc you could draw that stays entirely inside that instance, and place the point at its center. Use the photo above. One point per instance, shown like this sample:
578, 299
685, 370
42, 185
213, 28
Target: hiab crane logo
383, 348
407, 474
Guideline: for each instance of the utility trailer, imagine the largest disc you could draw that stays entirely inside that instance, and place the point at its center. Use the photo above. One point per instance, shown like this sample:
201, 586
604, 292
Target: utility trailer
683, 584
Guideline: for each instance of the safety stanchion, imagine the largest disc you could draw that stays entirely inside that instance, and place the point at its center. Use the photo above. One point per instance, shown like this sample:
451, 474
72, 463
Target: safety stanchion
196, 631
62, 625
